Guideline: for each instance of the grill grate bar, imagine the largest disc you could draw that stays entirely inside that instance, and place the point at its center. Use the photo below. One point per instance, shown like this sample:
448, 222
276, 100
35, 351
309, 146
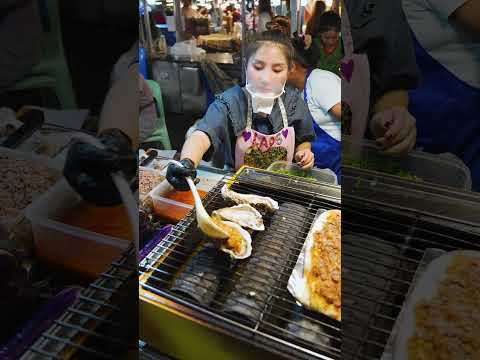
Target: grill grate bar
412, 262
222, 277
409, 233
78, 346
90, 316
102, 288
98, 302
168, 260
361, 271
43, 353
113, 277
92, 309
92, 333
330, 348
218, 303
365, 298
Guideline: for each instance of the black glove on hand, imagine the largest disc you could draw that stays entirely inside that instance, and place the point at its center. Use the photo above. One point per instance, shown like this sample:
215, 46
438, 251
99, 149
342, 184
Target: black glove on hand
176, 175
88, 168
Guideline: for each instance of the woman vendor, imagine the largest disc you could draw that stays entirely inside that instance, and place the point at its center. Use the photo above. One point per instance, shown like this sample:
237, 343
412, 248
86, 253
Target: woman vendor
255, 125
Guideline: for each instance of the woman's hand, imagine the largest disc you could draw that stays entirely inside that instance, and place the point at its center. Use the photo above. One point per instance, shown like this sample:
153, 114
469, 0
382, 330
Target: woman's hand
394, 130
177, 175
305, 158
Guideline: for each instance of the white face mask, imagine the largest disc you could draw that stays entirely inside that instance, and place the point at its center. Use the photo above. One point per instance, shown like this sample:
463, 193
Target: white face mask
263, 102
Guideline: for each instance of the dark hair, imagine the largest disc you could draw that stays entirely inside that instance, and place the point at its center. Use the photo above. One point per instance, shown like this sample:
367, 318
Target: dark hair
319, 8
280, 23
313, 23
329, 21
264, 6
299, 53
256, 41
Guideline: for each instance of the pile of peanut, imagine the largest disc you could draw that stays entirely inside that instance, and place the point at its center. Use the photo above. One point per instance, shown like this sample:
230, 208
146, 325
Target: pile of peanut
20, 182
148, 180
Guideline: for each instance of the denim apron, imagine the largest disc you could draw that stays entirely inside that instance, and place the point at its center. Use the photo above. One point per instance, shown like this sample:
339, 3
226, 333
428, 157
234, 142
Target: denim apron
447, 111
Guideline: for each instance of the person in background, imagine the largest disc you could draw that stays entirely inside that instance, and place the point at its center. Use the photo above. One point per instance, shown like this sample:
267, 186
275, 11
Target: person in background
203, 12
321, 91
236, 14
280, 23
447, 103
188, 14
187, 11
323, 42
312, 24
255, 125
216, 14
378, 30
264, 15
20, 39
149, 111
158, 15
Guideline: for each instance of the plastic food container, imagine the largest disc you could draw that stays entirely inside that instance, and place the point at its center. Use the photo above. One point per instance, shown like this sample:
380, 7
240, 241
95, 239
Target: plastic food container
172, 205
152, 172
441, 169
293, 170
67, 246
11, 223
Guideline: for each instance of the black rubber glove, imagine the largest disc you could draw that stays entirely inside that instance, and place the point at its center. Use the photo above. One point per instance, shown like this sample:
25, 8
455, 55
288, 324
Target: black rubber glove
88, 168
176, 175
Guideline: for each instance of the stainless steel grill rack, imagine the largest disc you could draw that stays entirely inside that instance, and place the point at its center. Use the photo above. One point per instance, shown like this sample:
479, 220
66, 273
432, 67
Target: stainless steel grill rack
101, 323
248, 299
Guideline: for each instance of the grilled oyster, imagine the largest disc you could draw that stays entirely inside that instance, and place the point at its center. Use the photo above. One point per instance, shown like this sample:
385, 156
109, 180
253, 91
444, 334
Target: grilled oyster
244, 215
239, 242
262, 202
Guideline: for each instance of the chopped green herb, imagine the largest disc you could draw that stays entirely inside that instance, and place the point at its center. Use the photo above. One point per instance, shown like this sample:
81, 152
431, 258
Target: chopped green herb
379, 165
262, 160
297, 173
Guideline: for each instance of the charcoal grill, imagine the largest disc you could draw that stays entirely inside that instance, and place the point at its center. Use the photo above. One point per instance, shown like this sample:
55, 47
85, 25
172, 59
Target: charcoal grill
224, 308
383, 245
98, 325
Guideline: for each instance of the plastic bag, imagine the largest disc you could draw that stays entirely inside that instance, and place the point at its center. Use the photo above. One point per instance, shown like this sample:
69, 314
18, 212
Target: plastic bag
188, 49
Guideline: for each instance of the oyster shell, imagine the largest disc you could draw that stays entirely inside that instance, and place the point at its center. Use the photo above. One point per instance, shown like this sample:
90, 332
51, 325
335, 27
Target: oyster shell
244, 215
239, 243
255, 200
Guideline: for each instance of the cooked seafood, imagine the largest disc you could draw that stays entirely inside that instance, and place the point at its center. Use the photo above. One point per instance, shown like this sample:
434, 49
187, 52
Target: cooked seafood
239, 242
323, 267
442, 315
317, 284
258, 201
244, 215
